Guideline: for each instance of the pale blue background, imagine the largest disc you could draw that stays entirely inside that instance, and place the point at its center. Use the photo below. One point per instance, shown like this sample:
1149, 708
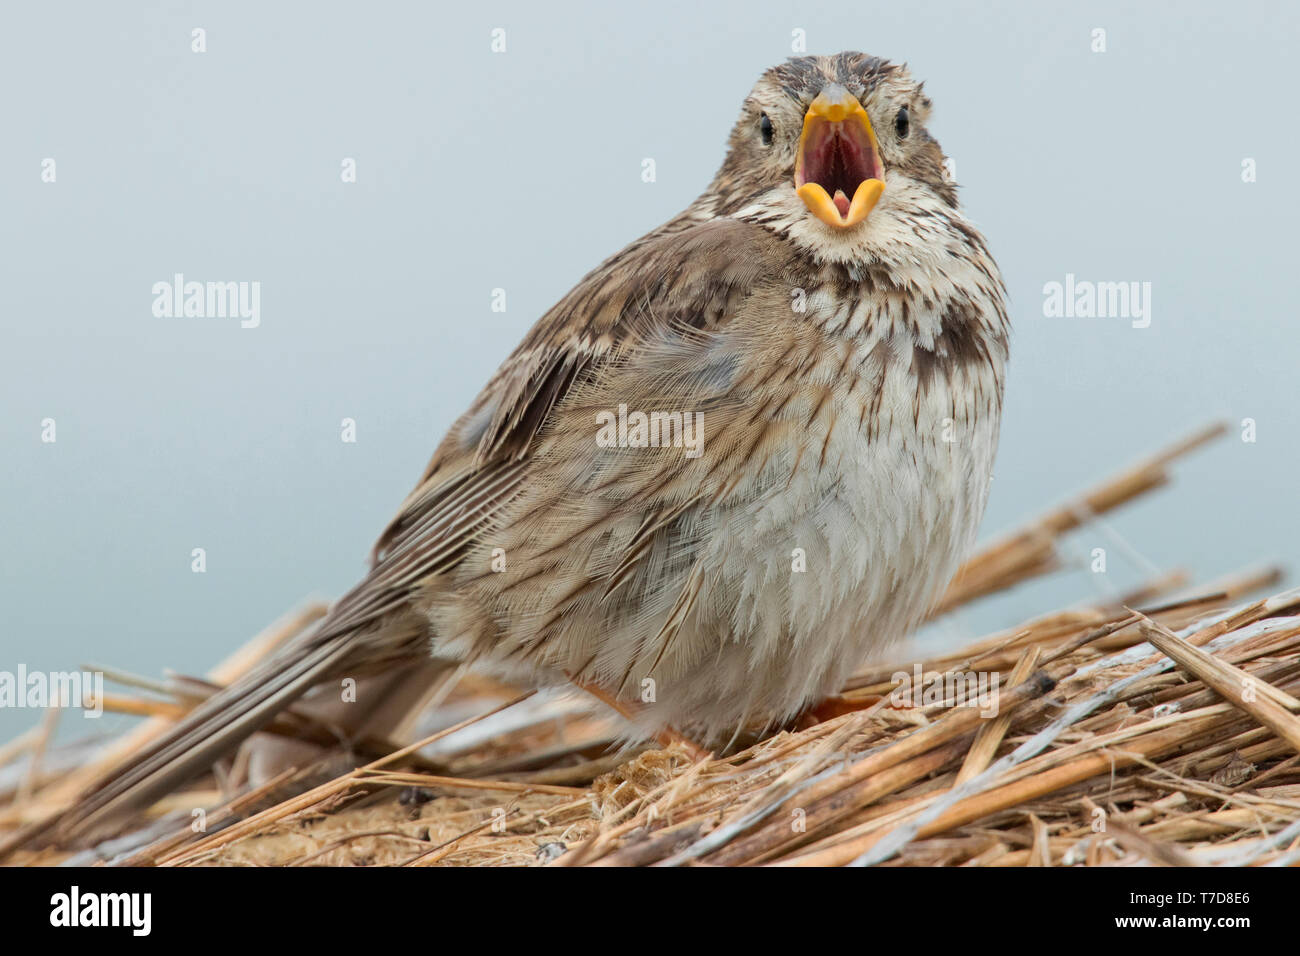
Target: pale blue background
523, 170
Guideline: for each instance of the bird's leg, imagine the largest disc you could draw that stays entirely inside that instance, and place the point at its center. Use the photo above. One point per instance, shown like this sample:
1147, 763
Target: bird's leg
665, 738
836, 705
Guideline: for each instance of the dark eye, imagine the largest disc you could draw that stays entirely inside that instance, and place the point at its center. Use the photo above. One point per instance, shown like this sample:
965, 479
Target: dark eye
765, 130
902, 123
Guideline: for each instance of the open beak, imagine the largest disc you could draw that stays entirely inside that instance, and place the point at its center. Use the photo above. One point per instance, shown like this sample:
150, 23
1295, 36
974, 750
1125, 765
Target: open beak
838, 173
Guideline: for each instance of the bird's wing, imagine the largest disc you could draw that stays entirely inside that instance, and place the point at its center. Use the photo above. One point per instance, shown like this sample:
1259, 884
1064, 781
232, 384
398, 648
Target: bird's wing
610, 549
695, 277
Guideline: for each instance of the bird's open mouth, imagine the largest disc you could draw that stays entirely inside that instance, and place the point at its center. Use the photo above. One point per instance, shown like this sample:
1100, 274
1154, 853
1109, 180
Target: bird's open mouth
838, 173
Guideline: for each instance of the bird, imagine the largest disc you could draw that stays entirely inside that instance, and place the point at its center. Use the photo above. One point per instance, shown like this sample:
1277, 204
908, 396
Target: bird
741, 457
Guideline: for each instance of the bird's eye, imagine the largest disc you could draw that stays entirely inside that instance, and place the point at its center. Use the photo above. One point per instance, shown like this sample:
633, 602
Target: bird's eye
765, 130
902, 123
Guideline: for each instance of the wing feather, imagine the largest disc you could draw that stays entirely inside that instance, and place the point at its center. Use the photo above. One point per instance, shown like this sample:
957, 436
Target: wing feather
686, 277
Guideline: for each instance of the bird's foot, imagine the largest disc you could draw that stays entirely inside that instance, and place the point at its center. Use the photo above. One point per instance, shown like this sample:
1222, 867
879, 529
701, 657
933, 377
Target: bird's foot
836, 705
666, 738
669, 738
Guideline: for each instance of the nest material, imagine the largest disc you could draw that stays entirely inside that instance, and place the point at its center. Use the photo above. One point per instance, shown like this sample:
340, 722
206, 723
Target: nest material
1166, 735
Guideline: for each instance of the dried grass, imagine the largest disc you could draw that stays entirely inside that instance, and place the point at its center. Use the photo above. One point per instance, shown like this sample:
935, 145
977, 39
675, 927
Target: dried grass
1151, 731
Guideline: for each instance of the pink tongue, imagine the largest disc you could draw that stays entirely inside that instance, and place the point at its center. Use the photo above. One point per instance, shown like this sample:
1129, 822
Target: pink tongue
841, 202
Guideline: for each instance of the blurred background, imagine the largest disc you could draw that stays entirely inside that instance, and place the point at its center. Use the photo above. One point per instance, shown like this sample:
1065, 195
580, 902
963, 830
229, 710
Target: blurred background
521, 170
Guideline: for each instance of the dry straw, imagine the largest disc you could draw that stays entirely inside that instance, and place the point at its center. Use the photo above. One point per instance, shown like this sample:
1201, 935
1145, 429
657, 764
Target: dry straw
1158, 729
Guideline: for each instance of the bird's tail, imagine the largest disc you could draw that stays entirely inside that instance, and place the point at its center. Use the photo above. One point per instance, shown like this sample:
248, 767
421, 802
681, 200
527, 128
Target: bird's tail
217, 726
211, 731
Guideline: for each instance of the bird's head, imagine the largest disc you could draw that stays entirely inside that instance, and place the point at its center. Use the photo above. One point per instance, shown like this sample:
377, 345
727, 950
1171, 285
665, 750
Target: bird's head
833, 151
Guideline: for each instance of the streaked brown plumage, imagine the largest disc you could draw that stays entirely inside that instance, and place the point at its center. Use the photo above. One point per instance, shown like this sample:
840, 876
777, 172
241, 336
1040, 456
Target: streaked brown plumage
850, 381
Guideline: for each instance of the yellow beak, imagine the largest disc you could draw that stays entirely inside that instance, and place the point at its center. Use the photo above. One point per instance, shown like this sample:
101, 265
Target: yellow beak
838, 156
